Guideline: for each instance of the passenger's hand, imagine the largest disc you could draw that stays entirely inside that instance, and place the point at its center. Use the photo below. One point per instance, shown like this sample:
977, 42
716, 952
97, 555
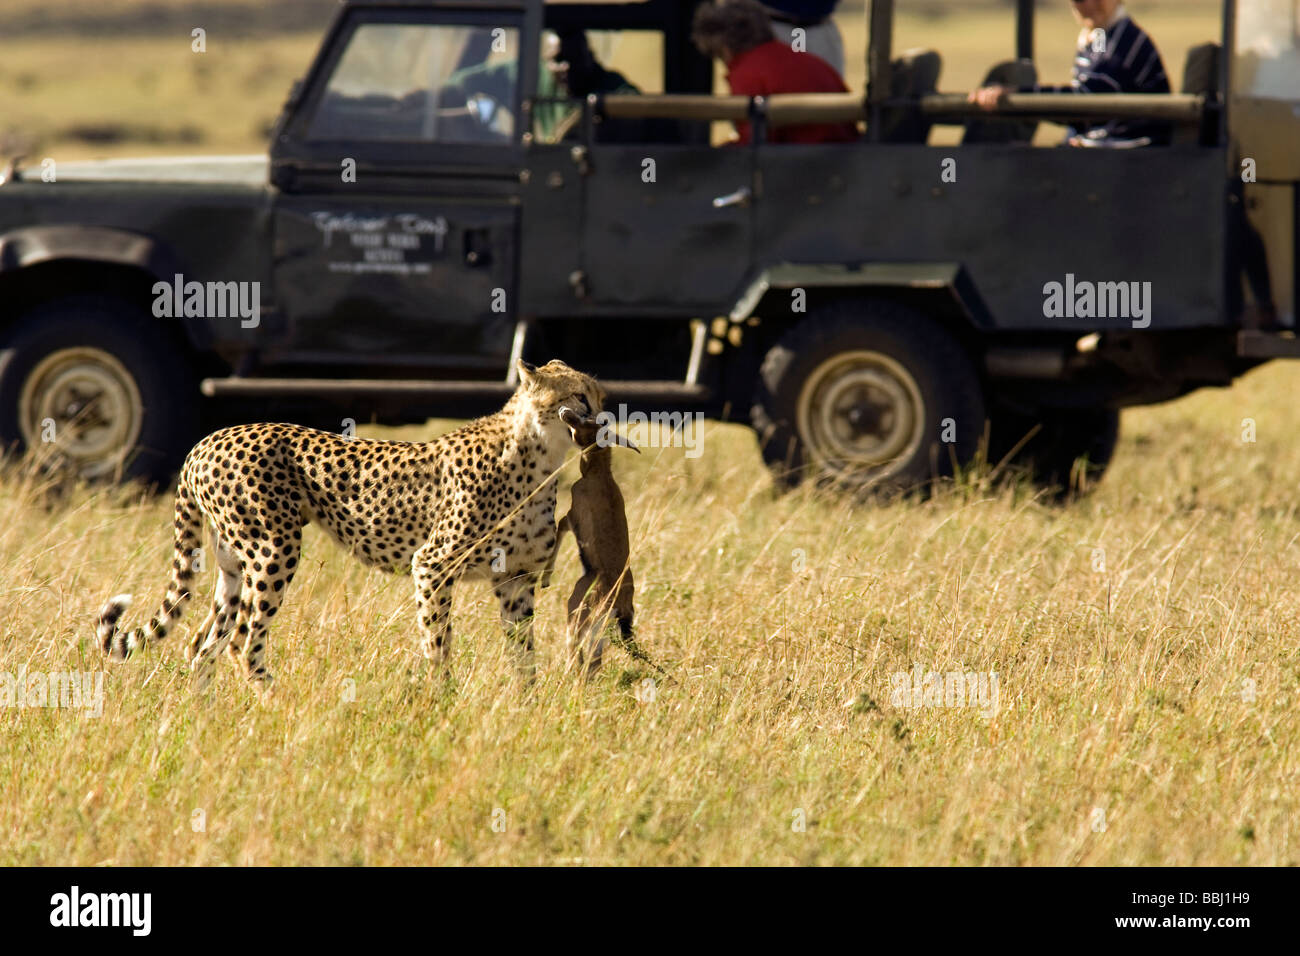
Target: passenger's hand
989, 97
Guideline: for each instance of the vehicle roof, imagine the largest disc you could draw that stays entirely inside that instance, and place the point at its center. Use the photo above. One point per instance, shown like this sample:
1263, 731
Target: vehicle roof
488, 3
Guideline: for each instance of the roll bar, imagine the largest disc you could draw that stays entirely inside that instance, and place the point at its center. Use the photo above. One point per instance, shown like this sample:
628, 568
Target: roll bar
786, 108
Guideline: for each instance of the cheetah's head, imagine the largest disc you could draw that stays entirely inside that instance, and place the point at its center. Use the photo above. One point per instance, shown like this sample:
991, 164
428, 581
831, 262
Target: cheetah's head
554, 385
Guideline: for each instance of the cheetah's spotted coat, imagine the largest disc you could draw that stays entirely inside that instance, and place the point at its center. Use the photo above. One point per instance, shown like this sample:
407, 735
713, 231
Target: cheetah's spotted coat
478, 502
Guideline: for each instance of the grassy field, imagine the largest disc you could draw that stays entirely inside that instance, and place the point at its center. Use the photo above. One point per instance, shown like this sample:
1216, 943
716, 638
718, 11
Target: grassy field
1143, 639
1143, 642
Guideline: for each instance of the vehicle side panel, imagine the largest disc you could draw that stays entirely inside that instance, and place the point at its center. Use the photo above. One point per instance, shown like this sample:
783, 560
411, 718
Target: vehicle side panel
210, 233
660, 244
1015, 218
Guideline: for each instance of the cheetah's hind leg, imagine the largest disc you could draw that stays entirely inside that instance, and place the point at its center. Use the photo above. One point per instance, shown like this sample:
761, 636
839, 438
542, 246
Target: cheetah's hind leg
215, 634
268, 572
225, 602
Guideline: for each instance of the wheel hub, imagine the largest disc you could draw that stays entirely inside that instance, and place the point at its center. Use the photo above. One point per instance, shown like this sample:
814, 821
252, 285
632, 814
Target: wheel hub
84, 405
861, 416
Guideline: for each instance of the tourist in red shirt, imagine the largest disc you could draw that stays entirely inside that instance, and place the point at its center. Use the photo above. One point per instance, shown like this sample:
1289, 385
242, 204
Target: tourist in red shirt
739, 33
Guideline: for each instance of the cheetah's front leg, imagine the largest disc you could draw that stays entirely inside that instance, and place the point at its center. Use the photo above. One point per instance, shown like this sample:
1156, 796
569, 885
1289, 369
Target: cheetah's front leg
433, 583
560, 529
516, 595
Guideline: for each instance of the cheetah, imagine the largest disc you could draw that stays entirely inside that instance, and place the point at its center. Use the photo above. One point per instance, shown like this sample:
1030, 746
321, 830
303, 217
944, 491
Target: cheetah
476, 503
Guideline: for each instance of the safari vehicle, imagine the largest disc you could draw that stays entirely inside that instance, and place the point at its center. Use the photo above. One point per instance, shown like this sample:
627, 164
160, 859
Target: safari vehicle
423, 219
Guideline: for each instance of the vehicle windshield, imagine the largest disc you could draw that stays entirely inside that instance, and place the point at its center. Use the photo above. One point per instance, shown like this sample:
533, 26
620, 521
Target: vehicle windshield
424, 83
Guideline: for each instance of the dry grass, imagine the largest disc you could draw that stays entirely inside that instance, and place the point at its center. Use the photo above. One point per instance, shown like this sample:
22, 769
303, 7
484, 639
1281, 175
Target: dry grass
1122, 631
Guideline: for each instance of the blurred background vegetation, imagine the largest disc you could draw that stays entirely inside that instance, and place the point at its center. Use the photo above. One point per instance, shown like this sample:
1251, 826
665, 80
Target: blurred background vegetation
118, 77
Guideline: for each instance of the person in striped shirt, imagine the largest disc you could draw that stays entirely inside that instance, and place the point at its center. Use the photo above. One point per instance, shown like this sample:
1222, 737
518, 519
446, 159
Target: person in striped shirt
1115, 55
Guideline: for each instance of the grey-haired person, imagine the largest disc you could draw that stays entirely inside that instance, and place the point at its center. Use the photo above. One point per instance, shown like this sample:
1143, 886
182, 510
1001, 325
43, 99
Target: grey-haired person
806, 27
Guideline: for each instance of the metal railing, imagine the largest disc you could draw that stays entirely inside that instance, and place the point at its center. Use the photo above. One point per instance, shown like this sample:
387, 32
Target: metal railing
788, 108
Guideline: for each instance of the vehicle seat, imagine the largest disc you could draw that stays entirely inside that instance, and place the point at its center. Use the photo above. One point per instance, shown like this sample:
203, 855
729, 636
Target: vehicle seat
1201, 77
1018, 75
1201, 72
912, 75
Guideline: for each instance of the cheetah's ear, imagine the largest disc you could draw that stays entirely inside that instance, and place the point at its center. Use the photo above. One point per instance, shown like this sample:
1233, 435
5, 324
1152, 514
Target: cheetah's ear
527, 372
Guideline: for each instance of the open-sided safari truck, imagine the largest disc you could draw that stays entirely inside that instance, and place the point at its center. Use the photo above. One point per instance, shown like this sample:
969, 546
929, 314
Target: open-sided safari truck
433, 207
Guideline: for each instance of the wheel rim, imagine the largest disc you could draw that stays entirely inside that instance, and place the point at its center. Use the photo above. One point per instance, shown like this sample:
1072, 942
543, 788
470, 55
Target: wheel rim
861, 417
93, 403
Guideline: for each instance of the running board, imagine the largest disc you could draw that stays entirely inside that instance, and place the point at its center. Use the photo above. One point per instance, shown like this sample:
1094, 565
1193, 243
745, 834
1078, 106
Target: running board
252, 387
1252, 343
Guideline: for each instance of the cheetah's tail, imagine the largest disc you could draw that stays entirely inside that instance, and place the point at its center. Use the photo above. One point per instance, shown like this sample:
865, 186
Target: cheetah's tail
186, 559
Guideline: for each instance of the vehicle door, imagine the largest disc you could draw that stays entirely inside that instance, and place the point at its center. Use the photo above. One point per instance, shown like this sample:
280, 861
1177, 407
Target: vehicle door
667, 227
396, 218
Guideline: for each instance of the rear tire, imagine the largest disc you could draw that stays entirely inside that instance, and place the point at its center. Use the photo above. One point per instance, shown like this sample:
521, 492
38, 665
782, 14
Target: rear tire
95, 381
1069, 452
867, 396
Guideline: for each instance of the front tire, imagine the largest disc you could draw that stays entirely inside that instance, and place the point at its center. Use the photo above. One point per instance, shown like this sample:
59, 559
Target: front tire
96, 382
867, 396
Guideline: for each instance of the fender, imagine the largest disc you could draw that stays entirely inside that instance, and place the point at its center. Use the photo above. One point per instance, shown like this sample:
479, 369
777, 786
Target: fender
33, 245
950, 277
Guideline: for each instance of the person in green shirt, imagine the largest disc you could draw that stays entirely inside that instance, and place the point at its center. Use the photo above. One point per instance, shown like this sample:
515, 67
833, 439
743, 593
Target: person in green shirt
569, 71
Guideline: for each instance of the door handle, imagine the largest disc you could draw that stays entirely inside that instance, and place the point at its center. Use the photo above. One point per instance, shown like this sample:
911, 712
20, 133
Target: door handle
740, 197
